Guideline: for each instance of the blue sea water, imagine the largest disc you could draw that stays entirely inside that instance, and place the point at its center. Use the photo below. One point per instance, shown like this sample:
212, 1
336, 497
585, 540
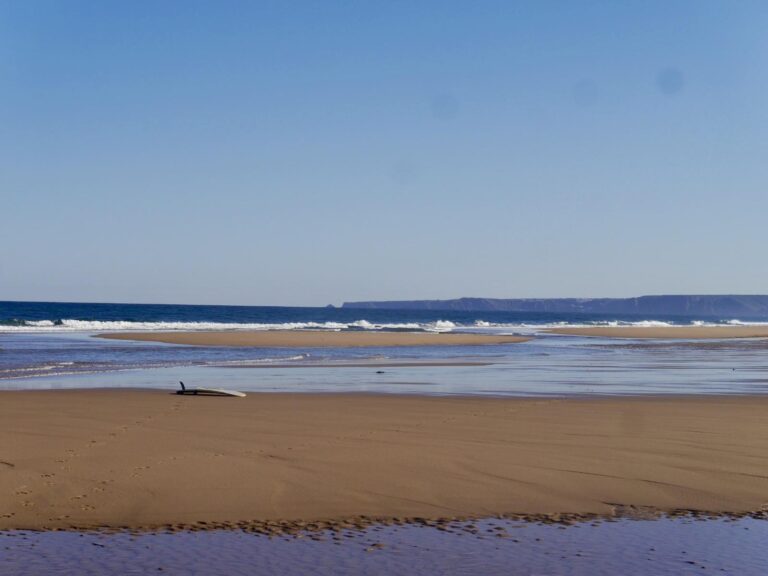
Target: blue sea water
59, 316
52, 345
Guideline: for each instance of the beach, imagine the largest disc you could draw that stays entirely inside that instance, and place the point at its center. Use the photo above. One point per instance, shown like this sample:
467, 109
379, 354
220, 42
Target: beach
145, 459
666, 332
314, 339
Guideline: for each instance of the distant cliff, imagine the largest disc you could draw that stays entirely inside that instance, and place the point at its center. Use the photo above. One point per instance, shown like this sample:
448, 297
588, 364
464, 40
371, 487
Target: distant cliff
720, 306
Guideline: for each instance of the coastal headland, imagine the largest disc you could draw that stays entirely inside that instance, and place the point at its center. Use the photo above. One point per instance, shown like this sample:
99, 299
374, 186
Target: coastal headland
137, 459
314, 338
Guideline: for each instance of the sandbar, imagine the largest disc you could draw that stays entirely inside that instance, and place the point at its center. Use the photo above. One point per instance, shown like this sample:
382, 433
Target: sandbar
133, 459
314, 338
664, 332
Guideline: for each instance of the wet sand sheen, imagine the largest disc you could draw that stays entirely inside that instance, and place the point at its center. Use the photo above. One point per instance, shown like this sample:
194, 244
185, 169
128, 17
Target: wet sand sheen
668, 547
364, 364
143, 458
314, 339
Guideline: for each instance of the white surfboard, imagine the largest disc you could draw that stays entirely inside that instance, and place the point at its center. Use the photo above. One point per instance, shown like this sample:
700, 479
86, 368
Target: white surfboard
209, 391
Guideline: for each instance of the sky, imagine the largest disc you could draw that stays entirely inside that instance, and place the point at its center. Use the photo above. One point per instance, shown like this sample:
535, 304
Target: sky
307, 153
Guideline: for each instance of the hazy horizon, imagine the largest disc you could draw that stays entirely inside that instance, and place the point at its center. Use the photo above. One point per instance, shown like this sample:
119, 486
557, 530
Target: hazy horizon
308, 154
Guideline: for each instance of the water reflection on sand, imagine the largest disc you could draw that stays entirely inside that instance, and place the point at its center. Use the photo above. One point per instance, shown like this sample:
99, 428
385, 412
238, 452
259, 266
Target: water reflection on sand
626, 547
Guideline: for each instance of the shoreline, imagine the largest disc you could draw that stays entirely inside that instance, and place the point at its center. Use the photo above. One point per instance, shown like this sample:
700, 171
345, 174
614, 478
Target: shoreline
314, 339
137, 459
665, 332
463, 523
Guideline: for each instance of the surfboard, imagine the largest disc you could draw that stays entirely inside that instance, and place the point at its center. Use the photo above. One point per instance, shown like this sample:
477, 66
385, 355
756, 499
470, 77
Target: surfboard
209, 391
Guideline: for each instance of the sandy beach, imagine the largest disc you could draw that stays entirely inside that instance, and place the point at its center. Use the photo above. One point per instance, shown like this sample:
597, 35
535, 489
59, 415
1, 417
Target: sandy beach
671, 332
141, 459
314, 339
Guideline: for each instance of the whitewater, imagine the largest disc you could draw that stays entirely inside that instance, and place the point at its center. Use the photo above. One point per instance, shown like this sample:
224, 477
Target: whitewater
439, 325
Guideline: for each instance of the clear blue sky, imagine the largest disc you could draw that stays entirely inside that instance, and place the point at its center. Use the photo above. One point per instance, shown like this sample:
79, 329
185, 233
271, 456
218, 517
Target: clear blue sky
306, 153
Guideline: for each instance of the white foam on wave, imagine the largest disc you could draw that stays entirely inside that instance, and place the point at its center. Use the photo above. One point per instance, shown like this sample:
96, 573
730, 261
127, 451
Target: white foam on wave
73, 325
45, 368
479, 324
745, 323
33, 373
295, 358
440, 326
638, 324
365, 325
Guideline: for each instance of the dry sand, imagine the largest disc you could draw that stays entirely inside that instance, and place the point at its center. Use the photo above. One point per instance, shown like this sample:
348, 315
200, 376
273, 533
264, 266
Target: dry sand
673, 332
314, 339
142, 459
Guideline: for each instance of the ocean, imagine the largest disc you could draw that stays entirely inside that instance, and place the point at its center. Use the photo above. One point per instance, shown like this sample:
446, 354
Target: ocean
54, 317
53, 345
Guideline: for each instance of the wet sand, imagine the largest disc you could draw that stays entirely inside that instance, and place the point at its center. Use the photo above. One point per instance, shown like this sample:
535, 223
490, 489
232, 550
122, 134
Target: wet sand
364, 364
314, 339
663, 332
663, 547
143, 459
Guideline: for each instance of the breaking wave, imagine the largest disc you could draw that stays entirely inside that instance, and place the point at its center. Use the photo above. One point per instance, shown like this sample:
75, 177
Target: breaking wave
73, 325
479, 325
